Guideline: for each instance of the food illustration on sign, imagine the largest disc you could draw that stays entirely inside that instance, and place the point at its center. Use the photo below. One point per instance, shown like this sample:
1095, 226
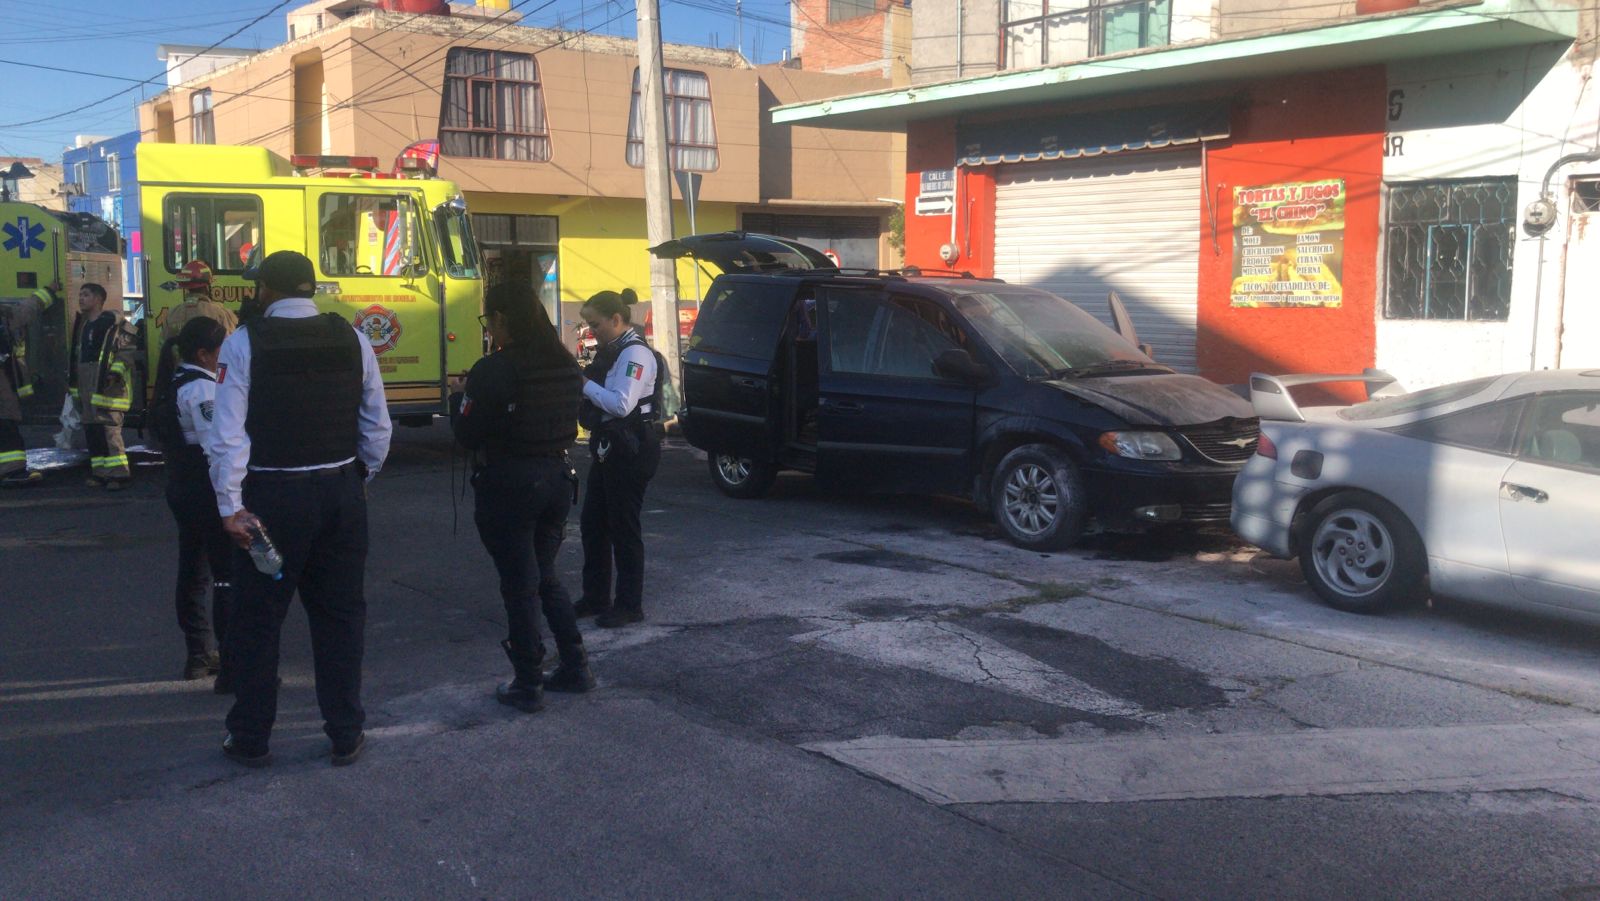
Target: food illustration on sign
381, 327
1288, 248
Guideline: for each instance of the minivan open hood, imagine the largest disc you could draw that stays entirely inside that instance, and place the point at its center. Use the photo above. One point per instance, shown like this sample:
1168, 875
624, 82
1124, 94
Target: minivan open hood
1159, 400
744, 252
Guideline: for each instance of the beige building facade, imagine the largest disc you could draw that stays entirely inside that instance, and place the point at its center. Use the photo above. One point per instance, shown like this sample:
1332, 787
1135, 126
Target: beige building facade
538, 129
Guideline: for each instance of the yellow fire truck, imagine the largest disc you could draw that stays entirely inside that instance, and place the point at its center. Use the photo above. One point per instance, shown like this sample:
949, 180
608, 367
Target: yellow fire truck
393, 252
40, 247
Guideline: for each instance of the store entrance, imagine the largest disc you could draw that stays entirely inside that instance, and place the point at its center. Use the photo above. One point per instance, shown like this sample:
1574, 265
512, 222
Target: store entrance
522, 249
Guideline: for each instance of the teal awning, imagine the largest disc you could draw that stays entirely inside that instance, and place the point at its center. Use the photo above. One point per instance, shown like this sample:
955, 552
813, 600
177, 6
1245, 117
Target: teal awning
1089, 134
1431, 30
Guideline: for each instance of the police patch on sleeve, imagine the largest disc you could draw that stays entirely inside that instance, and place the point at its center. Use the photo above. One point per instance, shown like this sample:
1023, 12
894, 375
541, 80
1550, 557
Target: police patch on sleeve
208, 409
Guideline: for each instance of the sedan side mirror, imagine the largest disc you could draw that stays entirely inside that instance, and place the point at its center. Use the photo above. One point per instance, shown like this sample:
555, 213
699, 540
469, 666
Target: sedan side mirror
958, 364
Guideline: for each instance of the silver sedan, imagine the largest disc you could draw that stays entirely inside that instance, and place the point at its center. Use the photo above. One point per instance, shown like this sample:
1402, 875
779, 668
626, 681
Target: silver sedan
1488, 489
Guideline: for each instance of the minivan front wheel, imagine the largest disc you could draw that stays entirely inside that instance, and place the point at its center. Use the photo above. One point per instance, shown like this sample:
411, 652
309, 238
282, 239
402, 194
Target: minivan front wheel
1037, 499
740, 477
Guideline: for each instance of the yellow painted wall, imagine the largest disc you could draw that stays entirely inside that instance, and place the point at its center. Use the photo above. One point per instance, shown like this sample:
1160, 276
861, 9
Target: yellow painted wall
603, 241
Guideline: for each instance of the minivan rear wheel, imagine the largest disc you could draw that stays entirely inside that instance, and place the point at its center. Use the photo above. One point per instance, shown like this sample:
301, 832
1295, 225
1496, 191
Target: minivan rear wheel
1037, 498
740, 477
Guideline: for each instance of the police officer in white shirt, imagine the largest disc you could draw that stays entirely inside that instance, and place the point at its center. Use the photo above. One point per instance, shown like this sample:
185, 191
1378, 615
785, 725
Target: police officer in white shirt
622, 411
182, 418
301, 423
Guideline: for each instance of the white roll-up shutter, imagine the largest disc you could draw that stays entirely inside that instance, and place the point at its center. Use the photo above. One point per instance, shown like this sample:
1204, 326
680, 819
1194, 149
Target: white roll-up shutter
1126, 222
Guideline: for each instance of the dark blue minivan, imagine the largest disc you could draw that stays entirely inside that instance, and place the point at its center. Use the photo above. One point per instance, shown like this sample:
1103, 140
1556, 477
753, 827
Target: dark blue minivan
899, 382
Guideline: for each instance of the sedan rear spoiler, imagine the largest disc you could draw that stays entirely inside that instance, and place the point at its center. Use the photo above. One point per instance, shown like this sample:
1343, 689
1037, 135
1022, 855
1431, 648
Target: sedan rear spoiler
1270, 393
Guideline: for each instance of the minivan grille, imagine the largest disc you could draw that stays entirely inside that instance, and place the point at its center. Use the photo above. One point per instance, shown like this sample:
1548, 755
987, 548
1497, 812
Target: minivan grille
1226, 440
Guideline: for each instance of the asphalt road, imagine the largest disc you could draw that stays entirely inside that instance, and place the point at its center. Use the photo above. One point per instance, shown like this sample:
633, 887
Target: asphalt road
833, 696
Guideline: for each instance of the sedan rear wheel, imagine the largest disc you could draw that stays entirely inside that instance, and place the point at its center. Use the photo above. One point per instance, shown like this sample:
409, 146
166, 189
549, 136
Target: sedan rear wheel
1361, 555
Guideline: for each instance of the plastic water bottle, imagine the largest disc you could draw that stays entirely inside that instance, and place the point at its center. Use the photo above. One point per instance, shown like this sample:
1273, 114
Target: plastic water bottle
264, 553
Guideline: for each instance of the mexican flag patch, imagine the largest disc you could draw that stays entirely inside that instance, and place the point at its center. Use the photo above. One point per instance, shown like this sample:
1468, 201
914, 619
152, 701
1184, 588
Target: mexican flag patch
634, 371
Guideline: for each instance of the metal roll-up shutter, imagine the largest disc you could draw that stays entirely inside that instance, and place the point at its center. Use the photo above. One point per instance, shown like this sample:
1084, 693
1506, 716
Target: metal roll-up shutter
1125, 222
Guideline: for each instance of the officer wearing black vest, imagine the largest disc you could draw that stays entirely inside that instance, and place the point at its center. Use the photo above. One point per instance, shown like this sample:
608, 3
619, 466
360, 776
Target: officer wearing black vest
621, 410
518, 414
301, 423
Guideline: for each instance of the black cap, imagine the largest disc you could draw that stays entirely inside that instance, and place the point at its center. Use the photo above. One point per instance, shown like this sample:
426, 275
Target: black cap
287, 272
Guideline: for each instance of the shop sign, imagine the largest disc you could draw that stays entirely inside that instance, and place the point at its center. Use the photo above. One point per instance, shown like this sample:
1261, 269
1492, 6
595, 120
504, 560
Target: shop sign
1288, 245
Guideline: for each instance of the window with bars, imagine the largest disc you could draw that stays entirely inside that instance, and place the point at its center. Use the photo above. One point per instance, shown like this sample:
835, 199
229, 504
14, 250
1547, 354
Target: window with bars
691, 128
202, 128
1448, 249
493, 107
840, 10
1053, 32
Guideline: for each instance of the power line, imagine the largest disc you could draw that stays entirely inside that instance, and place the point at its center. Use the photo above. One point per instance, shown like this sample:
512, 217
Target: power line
152, 79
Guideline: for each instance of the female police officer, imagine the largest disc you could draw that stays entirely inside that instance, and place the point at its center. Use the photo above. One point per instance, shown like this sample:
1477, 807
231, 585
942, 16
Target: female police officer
518, 414
621, 409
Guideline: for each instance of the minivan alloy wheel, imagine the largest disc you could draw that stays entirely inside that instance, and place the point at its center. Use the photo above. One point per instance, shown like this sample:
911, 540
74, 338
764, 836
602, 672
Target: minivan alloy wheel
1031, 501
735, 470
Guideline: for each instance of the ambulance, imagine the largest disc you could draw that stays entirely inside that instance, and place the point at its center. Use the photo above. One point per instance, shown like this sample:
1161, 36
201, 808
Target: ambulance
393, 251
40, 247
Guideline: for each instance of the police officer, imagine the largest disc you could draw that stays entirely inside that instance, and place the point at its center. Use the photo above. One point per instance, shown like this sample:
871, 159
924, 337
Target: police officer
300, 424
101, 377
16, 383
182, 418
195, 282
518, 414
621, 410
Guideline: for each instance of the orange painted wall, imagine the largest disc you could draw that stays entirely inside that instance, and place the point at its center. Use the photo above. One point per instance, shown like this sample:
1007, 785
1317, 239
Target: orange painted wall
931, 144
1305, 128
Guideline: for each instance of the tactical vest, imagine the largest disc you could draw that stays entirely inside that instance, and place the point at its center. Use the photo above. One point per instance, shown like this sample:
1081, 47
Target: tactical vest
648, 409
305, 391
542, 419
168, 431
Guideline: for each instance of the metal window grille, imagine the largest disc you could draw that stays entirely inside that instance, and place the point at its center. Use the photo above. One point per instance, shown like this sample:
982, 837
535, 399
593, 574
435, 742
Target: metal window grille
691, 127
840, 10
1449, 246
493, 107
1054, 32
1586, 196
525, 231
202, 129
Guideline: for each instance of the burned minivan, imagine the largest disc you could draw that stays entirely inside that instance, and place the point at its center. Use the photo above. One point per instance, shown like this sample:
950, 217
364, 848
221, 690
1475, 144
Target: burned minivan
898, 382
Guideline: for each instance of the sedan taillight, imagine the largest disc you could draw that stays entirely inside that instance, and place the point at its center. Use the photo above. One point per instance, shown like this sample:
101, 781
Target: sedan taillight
1266, 448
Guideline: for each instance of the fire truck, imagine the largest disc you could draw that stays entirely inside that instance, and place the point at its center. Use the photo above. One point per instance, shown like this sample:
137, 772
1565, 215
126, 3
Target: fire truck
40, 247
393, 250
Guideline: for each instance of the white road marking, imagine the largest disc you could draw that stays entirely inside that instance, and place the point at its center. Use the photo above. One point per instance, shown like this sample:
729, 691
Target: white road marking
1313, 762
947, 650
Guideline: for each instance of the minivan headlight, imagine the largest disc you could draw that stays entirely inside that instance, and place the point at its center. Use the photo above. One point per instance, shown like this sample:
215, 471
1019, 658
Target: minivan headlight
1141, 445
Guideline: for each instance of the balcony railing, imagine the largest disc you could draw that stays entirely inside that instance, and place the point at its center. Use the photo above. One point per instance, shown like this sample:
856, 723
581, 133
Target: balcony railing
1055, 32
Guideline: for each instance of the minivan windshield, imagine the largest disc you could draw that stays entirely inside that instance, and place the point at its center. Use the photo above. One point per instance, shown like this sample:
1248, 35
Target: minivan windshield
1044, 337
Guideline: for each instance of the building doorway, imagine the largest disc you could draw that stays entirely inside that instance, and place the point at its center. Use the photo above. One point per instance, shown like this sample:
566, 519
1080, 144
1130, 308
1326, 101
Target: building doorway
523, 249
1580, 295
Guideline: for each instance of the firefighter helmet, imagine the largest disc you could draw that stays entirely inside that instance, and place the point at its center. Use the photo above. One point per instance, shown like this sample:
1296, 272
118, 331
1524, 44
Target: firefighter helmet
195, 275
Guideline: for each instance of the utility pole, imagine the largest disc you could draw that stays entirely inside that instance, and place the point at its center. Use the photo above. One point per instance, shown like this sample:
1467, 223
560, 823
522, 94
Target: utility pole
657, 185
738, 25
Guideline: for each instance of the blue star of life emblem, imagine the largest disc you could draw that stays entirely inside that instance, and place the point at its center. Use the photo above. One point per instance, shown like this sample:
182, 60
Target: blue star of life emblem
23, 237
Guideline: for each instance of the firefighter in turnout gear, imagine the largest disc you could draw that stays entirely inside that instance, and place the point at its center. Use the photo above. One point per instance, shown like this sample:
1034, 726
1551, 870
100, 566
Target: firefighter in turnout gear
16, 382
622, 407
518, 414
301, 424
104, 345
195, 281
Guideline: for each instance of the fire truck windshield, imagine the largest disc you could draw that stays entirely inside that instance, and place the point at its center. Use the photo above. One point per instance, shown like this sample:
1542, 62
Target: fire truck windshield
455, 236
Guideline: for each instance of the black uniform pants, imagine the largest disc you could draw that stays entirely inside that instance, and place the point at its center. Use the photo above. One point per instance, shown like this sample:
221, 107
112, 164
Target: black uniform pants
521, 514
13, 453
319, 524
205, 557
612, 534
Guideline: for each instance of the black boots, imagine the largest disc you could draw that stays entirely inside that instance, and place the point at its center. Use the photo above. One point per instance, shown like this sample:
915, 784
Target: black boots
201, 664
573, 675
526, 691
